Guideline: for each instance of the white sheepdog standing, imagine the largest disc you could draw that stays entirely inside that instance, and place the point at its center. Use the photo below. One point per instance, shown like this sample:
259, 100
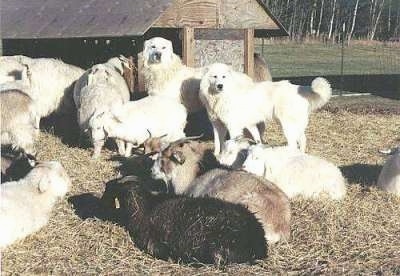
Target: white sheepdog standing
296, 173
234, 102
166, 75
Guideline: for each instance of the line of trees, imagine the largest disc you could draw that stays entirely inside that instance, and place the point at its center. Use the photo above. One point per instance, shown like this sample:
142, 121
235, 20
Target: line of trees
334, 19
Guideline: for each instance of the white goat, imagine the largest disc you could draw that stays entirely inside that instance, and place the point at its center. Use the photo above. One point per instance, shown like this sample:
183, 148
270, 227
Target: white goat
51, 84
134, 121
11, 68
19, 120
26, 205
389, 178
296, 173
105, 88
234, 102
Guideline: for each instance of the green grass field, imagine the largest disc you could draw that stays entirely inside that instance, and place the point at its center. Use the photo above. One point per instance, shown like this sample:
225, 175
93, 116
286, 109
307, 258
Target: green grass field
289, 59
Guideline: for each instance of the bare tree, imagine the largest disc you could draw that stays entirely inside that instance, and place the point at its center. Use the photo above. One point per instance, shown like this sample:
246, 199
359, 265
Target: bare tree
353, 23
376, 14
320, 18
332, 19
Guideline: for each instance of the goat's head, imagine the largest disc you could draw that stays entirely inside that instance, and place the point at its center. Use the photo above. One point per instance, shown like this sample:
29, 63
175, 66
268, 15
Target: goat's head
153, 145
181, 159
51, 178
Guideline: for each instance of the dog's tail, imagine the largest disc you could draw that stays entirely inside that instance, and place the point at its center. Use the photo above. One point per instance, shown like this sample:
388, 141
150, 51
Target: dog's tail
319, 94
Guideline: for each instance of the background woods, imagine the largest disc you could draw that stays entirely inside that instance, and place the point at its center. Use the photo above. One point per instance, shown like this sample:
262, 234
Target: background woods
362, 19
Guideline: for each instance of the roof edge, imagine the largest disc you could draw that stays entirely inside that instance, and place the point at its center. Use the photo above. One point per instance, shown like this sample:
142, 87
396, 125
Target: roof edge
283, 31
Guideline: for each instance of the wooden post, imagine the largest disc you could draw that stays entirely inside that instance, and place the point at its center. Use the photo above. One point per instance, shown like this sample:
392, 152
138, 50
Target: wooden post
249, 52
188, 46
140, 78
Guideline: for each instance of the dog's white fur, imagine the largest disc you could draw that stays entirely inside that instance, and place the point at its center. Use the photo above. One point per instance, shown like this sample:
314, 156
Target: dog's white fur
26, 205
166, 75
296, 173
389, 178
234, 102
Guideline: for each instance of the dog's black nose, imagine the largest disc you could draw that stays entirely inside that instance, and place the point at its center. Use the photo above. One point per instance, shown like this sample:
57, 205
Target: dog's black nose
220, 86
157, 55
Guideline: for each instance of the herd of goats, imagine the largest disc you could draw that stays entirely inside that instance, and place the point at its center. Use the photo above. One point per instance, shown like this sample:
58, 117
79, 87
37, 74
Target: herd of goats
189, 200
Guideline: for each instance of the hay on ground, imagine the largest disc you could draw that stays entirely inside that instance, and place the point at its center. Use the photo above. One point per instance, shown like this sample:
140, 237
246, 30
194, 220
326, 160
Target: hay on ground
361, 234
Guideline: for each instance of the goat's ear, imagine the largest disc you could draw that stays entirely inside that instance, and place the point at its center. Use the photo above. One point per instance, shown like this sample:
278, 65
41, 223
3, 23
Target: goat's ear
44, 184
178, 157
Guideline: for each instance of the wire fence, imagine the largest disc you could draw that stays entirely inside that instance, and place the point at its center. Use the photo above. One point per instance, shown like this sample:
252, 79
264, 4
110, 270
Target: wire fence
362, 67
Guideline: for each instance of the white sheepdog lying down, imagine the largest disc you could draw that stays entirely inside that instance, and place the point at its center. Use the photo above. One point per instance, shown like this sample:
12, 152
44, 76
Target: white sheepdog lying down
296, 173
389, 178
166, 75
234, 102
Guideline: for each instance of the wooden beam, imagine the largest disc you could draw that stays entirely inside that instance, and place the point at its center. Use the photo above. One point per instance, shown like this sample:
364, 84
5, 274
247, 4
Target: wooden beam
188, 46
218, 34
249, 52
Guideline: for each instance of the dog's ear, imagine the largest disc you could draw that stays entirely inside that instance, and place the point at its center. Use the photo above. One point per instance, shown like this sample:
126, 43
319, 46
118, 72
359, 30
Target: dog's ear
146, 46
204, 70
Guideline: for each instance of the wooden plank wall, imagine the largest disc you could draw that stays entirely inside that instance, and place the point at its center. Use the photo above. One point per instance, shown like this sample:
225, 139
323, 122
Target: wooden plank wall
231, 14
194, 13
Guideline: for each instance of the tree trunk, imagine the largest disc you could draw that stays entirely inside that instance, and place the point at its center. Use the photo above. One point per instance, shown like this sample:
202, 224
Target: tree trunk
389, 18
313, 12
377, 17
332, 19
353, 23
320, 17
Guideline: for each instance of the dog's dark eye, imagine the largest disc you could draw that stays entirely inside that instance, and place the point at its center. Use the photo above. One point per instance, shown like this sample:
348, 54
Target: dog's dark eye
214, 77
163, 47
153, 46
223, 77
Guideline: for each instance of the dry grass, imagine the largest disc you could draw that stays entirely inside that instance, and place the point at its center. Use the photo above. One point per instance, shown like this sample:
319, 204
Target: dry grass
358, 235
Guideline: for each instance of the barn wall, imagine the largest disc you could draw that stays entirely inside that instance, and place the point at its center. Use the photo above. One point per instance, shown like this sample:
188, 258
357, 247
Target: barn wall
80, 52
225, 51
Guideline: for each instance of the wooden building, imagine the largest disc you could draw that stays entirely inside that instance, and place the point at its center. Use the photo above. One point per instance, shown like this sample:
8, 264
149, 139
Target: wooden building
75, 30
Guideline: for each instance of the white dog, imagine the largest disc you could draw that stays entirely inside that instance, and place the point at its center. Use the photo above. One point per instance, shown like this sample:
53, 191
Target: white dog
166, 75
234, 102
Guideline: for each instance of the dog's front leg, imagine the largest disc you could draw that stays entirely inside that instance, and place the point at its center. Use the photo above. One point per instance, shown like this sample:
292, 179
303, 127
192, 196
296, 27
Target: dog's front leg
219, 136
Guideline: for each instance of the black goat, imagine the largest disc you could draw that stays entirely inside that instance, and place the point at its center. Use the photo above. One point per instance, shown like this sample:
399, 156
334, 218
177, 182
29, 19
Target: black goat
15, 163
205, 230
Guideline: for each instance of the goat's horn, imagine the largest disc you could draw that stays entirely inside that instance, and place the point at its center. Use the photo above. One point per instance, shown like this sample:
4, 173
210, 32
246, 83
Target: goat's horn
148, 131
177, 142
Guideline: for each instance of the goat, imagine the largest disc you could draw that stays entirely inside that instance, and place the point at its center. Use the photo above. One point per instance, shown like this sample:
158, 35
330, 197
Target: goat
189, 167
296, 173
19, 120
389, 178
132, 121
26, 204
105, 88
205, 230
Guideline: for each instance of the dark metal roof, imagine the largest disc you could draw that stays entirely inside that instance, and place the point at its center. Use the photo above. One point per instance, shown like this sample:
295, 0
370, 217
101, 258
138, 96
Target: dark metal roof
30, 19
78, 18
